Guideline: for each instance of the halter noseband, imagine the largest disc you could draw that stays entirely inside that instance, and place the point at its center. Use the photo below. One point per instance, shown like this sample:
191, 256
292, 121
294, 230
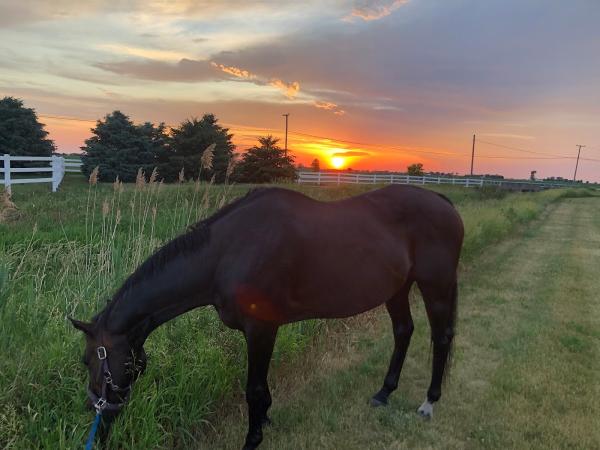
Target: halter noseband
101, 403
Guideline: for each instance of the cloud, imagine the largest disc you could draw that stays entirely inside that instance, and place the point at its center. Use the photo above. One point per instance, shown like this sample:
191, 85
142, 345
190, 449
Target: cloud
368, 10
350, 153
155, 54
235, 71
290, 90
186, 70
326, 105
330, 106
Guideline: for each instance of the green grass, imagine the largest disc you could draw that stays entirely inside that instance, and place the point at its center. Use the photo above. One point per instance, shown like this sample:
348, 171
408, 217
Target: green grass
67, 252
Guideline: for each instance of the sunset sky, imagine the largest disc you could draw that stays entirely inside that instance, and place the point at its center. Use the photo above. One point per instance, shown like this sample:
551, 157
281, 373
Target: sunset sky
381, 84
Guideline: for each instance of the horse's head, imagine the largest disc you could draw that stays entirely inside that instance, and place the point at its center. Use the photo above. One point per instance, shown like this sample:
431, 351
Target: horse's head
113, 362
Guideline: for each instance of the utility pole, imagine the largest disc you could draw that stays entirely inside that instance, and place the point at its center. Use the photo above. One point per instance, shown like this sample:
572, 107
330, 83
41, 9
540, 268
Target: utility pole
472, 155
287, 115
577, 163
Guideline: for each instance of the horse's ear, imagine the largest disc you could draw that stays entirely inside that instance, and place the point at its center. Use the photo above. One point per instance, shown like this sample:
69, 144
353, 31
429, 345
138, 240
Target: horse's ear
82, 326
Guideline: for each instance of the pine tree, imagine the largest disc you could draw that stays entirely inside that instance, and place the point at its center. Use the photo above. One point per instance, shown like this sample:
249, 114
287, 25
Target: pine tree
187, 144
266, 163
120, 148
21, 134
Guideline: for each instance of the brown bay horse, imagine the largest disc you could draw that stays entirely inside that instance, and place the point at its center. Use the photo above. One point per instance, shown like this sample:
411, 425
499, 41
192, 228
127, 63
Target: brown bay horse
277, 256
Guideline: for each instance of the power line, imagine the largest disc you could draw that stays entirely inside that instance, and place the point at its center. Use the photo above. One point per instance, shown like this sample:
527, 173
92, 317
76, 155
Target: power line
520, 149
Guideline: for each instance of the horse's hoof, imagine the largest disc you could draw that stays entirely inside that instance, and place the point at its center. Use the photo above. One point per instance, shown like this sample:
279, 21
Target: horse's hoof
375, 402
426, 410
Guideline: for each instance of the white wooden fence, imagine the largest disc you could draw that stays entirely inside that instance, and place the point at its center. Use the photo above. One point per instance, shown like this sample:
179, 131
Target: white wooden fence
53, 165
395, 178
73, 165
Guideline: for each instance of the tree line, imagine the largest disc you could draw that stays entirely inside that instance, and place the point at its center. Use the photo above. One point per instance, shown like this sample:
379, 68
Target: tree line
119, 148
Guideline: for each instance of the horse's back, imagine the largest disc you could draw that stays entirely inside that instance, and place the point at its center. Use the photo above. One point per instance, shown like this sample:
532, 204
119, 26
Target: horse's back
333, 259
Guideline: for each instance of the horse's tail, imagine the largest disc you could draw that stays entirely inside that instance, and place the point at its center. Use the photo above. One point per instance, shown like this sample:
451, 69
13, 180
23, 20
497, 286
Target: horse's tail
452, 326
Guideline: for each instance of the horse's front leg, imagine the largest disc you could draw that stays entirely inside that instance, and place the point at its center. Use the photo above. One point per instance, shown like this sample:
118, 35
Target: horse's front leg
260, 339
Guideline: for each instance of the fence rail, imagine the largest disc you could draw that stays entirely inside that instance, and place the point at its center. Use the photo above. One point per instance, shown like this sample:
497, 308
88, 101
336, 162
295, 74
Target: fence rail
306, 177
73, 165
56, 168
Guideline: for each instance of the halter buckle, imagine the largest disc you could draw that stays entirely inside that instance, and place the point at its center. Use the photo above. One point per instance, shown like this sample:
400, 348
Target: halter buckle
100, 404
101, 351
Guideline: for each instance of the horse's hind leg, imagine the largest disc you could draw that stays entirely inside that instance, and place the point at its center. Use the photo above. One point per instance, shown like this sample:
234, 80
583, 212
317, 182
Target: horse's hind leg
402, 323
440, 303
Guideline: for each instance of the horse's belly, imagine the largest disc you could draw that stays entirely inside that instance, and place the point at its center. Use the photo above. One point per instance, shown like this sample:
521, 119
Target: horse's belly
336, 294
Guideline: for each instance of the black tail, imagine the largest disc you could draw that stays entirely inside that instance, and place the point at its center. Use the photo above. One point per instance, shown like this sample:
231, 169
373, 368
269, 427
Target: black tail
452, 326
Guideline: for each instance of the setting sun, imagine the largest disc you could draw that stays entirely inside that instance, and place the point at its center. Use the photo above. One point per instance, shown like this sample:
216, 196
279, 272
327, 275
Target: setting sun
337, 162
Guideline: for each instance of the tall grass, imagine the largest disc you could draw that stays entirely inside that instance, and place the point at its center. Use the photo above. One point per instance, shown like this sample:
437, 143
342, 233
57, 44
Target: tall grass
67, 252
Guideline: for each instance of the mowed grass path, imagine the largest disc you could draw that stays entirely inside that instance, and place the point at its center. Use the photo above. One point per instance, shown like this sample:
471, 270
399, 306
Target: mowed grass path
525, 369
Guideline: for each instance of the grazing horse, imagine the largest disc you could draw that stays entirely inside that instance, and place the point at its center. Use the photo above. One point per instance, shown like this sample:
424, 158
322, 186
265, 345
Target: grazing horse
277, 256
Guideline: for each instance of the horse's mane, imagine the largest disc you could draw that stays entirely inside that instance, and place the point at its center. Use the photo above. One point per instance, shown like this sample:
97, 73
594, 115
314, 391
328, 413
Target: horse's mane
194, 238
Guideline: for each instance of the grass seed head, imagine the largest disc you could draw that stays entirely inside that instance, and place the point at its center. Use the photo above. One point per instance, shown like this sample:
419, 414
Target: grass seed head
153, 176
140, 179
93, 180
206, 161
231, 166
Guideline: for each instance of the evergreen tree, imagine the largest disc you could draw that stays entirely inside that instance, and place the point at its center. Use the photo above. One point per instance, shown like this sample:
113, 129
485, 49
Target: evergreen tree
188, 142
120, 148
21, 134
315, 165
266, 163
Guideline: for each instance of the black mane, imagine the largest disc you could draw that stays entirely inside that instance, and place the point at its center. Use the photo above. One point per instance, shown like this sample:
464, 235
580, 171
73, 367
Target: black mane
196, 236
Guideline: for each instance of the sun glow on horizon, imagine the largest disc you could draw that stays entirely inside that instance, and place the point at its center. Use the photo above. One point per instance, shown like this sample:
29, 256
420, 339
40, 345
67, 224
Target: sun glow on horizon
338, 162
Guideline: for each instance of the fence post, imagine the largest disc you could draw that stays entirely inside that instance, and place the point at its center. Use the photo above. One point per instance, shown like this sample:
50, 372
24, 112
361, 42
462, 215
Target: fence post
6, 159
319, 178
338, 178
58, 171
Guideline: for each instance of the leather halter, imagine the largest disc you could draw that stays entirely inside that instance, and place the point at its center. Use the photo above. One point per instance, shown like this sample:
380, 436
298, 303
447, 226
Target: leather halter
101, 403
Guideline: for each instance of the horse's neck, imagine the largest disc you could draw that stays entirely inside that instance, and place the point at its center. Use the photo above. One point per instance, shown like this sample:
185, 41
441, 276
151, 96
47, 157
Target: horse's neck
176, 288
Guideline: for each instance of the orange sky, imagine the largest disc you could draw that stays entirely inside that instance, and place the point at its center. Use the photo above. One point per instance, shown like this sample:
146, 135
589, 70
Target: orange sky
380, 84
70, 134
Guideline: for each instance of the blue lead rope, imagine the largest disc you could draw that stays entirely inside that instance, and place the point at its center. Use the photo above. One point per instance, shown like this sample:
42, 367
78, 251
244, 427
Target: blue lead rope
90, 442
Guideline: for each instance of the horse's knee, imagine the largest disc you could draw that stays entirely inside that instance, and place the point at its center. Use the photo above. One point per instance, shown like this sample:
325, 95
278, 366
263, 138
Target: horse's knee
258, 399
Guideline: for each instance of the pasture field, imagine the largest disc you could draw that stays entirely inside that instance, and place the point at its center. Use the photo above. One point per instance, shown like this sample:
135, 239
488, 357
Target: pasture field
526, 352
